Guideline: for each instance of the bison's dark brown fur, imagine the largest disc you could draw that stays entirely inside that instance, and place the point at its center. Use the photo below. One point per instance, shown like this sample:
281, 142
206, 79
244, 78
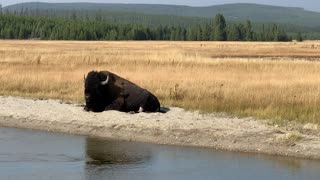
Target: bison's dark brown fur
107, 91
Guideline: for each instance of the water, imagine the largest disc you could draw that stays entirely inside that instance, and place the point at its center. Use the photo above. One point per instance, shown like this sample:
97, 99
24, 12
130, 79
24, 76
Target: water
33, 155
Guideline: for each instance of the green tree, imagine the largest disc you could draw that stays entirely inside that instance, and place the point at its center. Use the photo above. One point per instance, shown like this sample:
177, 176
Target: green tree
206, 32
234, 33
81, 35
112, 35
159, 33
8, 33
199, 33
299, 37
249, 33
220, 33
23, 34
192, 33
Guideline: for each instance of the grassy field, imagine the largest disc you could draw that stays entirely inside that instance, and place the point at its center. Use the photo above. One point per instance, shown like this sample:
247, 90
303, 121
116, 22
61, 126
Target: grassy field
279, 81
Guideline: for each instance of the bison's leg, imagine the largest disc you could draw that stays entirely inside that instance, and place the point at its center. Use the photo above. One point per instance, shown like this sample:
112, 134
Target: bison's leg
86, 108
141, 110
116, 104
150, 104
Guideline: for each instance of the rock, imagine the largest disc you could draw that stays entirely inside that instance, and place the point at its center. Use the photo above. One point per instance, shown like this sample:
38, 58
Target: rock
311, 126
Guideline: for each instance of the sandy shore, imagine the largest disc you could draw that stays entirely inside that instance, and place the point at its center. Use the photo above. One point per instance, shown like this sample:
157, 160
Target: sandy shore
176, 127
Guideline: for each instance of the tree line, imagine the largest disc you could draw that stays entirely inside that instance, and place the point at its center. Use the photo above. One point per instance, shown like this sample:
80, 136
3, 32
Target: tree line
22, 26
111, 16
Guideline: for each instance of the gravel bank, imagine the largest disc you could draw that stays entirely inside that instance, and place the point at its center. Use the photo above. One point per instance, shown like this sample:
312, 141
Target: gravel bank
176, 127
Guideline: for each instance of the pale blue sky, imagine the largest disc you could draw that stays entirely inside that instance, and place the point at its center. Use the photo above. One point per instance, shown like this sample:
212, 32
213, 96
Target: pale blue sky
307, 4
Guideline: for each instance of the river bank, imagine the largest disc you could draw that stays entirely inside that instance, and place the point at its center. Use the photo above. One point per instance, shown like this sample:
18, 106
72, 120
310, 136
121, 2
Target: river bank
176, 127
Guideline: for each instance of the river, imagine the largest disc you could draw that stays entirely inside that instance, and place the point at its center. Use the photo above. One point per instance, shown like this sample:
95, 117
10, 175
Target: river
36, 155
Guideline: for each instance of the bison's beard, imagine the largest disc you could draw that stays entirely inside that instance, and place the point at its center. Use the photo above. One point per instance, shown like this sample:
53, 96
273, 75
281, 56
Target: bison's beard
95, 104
95, 107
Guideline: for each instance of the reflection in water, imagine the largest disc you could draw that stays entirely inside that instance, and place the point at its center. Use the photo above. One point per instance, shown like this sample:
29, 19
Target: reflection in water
99, 151
115, 159
34, 155
131, 160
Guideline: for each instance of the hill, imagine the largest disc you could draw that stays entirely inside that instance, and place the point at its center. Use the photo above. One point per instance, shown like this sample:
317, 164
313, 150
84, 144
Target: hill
234, 12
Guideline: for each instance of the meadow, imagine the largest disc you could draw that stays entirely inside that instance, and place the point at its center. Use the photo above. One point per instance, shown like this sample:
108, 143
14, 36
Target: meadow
268, 80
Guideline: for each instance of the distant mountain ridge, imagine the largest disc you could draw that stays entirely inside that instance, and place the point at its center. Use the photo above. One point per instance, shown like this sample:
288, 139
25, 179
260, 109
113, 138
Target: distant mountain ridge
235, 12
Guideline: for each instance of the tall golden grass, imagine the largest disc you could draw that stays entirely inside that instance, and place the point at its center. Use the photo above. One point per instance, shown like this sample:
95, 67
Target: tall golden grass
278, 81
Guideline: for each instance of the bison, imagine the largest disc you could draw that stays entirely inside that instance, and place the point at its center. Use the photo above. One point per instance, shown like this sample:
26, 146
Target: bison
105, 90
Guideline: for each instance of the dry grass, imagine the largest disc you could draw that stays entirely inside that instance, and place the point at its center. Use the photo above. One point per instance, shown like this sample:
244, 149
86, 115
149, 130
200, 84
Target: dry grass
264, 80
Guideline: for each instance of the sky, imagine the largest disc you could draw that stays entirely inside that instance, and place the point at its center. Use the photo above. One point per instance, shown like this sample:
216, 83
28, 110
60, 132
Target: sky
307, 4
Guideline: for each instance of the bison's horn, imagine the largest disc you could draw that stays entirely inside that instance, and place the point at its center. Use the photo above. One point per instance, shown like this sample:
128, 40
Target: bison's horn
106, 81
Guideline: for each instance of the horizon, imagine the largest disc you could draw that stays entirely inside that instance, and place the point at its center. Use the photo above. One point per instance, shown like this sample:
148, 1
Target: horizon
204, 3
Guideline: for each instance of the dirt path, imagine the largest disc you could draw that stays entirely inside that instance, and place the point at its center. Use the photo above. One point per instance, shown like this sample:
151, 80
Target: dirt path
176, 127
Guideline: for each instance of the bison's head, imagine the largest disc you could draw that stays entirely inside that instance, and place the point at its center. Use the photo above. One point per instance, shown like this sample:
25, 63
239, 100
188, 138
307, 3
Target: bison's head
94, 91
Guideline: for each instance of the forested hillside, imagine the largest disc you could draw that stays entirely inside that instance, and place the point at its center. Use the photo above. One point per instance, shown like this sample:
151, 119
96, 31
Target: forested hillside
13, 26
234, 12
161, 15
